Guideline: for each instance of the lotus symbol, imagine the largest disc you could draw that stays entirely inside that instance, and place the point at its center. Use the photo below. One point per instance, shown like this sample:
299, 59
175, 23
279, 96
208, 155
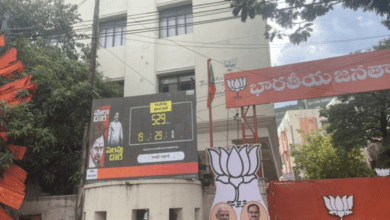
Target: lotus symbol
236, 85
382, 172
339, 206
235, 167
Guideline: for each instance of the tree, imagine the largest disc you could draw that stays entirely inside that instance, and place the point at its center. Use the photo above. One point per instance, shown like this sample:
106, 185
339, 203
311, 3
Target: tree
52, 124
320, 160
362, 118
47, 20
299, 15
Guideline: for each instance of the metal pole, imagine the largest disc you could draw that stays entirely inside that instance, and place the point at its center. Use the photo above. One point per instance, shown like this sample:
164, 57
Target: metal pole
227, 129
95, 27
92, 70
210, 113
255, 135
80, 193
243, 125
4, 28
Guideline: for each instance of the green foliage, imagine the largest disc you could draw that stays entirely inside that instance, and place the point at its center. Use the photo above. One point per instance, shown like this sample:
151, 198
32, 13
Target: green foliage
384, 154
300, 14
52, 124
362, 118
320, 160
6, 159
42, 19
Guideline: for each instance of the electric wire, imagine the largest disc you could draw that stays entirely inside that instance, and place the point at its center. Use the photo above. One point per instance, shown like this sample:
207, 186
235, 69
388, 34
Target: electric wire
281, 9
156, 12
288, 73
235, 66
189, 49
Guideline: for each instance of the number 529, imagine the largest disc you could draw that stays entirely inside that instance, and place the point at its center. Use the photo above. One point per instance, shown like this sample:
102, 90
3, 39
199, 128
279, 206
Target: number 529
159, 119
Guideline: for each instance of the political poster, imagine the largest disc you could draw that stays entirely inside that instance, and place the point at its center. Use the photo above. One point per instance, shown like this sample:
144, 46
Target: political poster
237, 195
143, 137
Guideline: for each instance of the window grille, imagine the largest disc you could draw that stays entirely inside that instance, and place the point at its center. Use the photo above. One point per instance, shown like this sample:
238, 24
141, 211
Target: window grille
176, 21
113, 33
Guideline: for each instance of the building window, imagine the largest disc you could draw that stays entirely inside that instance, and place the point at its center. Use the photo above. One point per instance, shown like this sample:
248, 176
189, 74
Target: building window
140, 214
176, 21
30, 217
175, 214
197, 214
113, 33
100, 216
177, 83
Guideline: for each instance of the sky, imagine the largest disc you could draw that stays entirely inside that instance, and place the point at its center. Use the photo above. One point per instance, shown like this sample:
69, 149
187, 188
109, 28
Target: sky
339, 24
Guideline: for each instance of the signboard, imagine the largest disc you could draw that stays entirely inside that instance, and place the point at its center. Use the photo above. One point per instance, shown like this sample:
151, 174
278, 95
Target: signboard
151, 136
328, 77
237, 194
330, 199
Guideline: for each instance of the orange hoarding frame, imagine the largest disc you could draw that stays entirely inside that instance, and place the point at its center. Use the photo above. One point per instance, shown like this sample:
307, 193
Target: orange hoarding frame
145, 171
303, 200
320, 78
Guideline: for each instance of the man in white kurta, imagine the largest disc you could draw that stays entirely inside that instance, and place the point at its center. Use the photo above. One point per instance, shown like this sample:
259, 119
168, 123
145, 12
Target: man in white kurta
115, 132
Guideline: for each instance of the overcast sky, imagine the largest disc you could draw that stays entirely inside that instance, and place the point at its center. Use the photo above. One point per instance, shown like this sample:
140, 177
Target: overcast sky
339, 24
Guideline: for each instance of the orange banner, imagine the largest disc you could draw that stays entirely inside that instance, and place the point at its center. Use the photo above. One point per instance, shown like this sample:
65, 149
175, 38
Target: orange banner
11, 197
4, 214
7, 58
18, 151
145, 171
17, 172
328, 77
330, 199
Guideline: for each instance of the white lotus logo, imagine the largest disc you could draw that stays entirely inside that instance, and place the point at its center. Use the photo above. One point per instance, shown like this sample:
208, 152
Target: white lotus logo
235, 167
236, 85
339, 206
382, 172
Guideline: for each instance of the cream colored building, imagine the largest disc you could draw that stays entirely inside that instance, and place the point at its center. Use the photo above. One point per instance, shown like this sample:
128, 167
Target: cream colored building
137, 49
288, 134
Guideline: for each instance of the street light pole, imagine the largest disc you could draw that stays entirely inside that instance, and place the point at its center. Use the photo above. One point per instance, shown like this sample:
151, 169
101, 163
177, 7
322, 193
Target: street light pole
92, 71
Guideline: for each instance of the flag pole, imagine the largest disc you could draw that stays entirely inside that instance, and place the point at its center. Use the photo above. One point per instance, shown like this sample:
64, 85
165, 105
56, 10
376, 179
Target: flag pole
210, 112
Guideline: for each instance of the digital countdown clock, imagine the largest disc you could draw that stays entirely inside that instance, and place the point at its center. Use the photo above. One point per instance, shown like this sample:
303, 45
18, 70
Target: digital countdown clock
161, 122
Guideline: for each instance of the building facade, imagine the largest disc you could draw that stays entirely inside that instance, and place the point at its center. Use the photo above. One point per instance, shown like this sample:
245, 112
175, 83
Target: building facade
289, 134
162, 46
316, 103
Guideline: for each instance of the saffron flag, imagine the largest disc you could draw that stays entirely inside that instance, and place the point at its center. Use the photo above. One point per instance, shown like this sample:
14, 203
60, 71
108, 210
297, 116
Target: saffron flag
212, 89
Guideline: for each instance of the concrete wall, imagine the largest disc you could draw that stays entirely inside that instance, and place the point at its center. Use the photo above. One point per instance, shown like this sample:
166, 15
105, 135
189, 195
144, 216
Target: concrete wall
118, 199
50, 207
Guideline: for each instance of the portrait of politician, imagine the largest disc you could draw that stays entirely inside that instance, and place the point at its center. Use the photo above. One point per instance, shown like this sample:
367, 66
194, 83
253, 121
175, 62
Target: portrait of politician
115, 132
253, 212
96, 149
223, 213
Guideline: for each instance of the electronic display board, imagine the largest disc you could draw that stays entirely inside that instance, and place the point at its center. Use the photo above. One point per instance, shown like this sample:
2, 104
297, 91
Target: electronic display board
143, 137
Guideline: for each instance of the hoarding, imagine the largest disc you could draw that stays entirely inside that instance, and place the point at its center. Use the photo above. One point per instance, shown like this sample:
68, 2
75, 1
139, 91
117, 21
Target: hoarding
320, 78
330, 199
151, 136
